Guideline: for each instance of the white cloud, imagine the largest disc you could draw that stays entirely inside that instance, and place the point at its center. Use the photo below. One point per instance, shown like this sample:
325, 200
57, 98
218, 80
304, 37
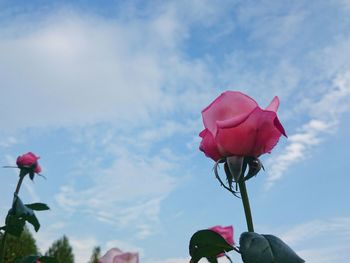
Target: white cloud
269, 21
126, 194
338, 253
8, 142
80, 69
322, 229
321, 240
325, 115
77, 69
82, 248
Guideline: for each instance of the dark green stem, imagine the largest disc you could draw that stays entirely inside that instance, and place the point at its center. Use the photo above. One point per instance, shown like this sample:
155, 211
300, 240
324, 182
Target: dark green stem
245, 201
3, 240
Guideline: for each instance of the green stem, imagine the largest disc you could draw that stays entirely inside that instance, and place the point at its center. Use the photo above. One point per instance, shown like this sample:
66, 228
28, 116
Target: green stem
3, 241
245, 201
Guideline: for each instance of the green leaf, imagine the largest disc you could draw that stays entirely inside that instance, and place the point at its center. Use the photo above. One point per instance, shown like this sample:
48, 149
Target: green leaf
257, 248
281, 251
34, 221
24, 212
29, 259
38, 206
14, 224
207, 243
19, 209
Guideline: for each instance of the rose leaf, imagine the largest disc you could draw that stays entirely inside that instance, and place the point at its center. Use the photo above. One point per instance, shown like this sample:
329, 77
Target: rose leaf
207, 243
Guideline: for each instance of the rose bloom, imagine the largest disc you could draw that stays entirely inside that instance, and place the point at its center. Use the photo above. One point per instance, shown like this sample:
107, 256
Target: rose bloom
29, 161
115, 255
226, 232
235, 125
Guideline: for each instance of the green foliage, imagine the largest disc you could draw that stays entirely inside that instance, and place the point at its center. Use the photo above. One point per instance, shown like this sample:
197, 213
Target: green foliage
207, 244
61, 250
19, 213
38, 206
17, 248
22, 211
96, 254
256, 248
33, 259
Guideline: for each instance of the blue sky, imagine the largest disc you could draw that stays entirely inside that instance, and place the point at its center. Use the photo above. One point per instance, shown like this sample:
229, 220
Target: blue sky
109, 95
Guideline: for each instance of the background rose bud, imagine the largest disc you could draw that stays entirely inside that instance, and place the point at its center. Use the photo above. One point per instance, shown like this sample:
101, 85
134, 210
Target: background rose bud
115, 255
29, 161
236, 125
226, 232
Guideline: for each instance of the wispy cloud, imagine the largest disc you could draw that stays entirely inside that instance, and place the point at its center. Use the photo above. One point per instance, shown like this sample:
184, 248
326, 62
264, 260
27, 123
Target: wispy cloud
8, 142
85, 69
325, 114
128, 193
323, 229
321, 240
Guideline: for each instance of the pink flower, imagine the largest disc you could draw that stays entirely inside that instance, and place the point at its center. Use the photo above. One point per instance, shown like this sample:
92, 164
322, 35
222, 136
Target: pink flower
226, 232
115, 255
235, 125
29, 161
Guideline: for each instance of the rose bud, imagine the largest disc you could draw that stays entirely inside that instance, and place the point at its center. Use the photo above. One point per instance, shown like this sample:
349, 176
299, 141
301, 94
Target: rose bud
28, 163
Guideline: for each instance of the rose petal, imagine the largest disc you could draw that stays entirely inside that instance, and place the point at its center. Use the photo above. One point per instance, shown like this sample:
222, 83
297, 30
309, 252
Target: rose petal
37, 169
258, 134
279, 126
228, 105
235, 121
115, 255
274, 104
126, 257
226, 232
27, 159
208, 145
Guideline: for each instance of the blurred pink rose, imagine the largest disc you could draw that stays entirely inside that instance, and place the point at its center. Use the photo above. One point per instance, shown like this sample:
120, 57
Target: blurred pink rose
226, 232
29, 161
235, 125
115, 255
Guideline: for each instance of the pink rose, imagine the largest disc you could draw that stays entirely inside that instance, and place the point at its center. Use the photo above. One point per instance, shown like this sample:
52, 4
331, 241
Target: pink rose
29, 161
115, 255
226, 232
235, 125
